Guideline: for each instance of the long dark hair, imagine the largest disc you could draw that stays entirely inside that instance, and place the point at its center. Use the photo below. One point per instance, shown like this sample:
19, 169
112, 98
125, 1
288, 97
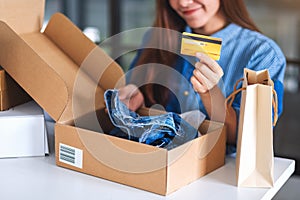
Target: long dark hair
235, 11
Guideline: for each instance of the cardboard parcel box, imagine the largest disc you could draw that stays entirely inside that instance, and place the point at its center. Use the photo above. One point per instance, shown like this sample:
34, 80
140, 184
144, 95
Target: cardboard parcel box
58, 68
11, 94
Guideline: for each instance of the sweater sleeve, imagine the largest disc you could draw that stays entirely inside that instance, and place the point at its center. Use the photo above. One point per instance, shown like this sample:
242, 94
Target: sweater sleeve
269, 56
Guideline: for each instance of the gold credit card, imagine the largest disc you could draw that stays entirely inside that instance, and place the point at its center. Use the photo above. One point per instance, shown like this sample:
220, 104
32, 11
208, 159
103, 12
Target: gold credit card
193, 43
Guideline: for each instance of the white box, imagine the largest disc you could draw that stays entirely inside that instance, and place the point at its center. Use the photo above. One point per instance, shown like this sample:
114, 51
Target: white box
23, 131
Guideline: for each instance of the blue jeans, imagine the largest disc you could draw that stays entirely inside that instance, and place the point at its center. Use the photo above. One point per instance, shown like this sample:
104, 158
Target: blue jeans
168, 130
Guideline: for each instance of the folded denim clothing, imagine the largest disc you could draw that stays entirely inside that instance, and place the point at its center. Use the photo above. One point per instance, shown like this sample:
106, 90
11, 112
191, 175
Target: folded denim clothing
167, 130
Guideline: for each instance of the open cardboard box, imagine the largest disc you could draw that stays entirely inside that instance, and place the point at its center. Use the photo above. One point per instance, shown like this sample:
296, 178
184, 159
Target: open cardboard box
11, 94
57, 68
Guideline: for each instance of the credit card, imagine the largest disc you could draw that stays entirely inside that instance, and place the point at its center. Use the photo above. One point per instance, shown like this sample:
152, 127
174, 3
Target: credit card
192, 43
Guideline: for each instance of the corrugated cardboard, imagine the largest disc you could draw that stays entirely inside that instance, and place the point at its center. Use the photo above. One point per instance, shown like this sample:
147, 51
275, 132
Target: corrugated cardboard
47, 66
11, 94
23, 132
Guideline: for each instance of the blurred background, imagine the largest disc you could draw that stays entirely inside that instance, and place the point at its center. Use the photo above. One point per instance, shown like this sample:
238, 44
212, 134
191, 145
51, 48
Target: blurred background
278, 19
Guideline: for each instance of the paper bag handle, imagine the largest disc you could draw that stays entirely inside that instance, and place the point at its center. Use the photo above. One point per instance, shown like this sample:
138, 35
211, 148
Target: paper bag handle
232, 96
275, 106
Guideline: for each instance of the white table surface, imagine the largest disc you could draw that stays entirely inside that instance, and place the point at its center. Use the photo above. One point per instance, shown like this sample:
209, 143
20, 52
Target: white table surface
39, 178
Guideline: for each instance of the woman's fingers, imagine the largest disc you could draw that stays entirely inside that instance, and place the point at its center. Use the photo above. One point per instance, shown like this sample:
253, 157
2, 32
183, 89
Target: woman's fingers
205, 71
131, 96
136, 101
206, 75
212, 64
128, 91
198, 86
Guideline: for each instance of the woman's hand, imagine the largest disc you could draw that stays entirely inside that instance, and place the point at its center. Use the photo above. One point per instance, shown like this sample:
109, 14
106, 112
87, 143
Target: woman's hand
206, 74
131, 96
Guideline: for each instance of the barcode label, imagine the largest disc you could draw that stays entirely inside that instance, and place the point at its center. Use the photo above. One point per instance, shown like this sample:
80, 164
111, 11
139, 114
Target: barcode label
70, 155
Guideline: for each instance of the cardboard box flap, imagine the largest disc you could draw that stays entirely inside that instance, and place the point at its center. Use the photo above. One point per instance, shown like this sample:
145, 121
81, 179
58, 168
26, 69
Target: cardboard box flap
32, 72
23, 16
89, 57
68, 71
64, 34
91, 66
67, 84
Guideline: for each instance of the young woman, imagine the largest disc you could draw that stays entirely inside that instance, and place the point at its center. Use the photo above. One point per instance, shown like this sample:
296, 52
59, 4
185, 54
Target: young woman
206, 83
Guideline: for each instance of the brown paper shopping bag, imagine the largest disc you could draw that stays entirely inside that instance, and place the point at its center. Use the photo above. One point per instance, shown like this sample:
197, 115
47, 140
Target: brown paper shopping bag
255, 157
